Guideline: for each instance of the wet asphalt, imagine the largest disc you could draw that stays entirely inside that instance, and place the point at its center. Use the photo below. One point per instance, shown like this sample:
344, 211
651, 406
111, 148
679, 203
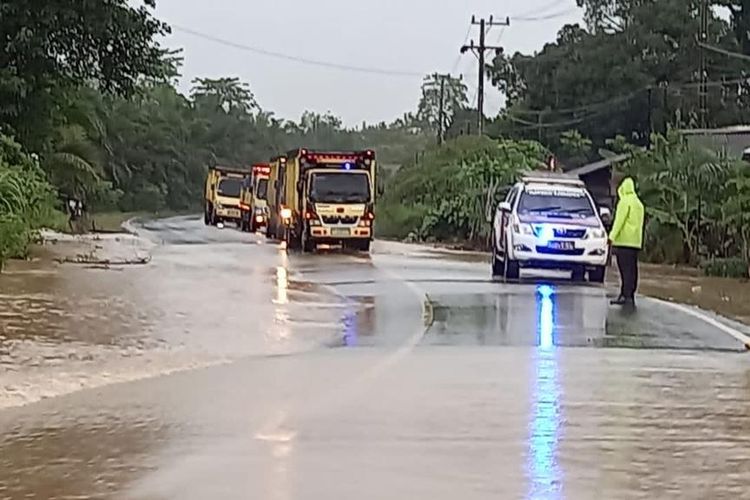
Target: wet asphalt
227, 368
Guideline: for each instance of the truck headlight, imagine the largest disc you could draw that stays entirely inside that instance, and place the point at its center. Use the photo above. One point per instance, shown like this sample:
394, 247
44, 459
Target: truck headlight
286, 213
598, 233
523, 229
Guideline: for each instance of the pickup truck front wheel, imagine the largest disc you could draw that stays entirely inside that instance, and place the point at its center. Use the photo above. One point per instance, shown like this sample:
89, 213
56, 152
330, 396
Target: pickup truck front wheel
512, 270
498, 266
597, 274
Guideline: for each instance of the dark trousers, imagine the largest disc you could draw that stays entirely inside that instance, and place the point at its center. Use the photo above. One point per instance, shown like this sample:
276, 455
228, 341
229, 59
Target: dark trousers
627, 263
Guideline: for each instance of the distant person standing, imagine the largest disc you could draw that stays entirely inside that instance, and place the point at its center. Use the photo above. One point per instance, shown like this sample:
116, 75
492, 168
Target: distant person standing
626, 238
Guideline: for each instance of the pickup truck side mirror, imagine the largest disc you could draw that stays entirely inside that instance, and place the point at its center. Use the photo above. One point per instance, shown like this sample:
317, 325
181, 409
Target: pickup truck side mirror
502, 207
605, 213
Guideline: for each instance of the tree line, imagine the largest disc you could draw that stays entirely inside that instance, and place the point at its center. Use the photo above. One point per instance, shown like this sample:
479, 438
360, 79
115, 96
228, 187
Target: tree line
89, 108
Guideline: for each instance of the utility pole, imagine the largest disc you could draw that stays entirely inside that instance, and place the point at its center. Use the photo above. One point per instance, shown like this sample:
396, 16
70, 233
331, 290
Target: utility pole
703, 98
479, 51
650, 115
703, 88
441, 113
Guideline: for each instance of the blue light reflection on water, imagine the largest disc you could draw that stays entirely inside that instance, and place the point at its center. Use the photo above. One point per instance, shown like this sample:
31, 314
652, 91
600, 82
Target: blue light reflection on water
544, 471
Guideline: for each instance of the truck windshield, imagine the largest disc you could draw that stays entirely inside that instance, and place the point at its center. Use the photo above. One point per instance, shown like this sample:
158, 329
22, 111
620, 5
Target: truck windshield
340, 188
556, 203
262, 192
230, 188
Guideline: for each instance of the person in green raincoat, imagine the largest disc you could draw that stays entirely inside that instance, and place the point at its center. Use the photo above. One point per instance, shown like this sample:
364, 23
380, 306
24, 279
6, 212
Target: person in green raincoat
626, 238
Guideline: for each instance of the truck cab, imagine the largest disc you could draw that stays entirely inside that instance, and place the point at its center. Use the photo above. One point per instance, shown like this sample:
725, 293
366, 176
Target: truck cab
326, 197
253, 198
222, 195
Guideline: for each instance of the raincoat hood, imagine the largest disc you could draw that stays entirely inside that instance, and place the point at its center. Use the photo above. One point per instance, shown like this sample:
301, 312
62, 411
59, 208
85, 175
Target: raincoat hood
627, 187
627, 229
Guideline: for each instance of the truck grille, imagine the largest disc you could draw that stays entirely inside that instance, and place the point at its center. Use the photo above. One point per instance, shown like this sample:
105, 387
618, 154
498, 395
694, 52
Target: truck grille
570, 233
556, 251
339, 219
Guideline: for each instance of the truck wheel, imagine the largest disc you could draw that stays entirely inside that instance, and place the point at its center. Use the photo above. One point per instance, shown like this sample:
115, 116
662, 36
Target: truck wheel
206, 219
512, 270
579, 274
292, 241
597, 274
498, 266
363, 246
308, 244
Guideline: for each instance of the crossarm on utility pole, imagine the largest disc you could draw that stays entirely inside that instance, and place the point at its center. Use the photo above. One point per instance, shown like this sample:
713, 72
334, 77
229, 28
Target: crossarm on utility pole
479, 50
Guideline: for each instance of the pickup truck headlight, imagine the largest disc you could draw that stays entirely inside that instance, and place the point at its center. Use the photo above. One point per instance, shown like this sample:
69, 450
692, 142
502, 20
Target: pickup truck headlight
523, 229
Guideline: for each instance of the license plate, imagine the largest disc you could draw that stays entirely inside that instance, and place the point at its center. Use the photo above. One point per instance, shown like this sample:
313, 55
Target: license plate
561, 245
340, 231
233, 213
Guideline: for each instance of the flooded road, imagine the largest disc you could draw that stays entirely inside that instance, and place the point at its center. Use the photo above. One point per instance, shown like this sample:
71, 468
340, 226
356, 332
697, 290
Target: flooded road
228, 369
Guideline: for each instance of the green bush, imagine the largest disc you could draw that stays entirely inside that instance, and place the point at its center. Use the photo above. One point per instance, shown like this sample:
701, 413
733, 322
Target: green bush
446, 194
663, 244
398, 221
27, 201
726, 268
14, 238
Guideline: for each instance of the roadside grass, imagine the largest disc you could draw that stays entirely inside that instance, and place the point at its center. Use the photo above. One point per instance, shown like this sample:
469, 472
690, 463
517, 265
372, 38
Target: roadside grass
729, 297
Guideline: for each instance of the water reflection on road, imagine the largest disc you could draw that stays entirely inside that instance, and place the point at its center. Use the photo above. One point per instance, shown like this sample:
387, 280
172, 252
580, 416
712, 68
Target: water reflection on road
545, 474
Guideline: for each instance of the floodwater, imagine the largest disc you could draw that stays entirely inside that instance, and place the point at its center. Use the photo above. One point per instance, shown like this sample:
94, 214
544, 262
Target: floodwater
226, 368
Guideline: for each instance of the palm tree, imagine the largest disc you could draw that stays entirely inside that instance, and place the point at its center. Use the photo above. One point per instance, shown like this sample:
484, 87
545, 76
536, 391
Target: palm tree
74, 165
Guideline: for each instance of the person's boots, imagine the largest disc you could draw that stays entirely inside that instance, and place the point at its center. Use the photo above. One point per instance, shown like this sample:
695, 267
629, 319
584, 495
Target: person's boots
619, 301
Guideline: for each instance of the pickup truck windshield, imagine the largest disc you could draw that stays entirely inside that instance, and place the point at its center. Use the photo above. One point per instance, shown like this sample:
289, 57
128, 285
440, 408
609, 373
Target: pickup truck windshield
230, 188
262, 191
556, 203
340, 188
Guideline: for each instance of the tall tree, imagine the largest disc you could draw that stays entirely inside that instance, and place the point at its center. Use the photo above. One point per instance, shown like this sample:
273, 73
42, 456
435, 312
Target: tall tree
50, 46
228, 94
639, 73
442, 97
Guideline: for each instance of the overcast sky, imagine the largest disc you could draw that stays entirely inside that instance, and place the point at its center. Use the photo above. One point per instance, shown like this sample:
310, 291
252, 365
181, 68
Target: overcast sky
412, 36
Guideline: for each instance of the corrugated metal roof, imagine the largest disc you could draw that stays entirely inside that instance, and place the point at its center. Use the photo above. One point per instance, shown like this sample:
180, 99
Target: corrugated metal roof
598, 165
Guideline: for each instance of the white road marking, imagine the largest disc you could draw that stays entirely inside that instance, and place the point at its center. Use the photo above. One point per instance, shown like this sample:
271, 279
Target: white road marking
696, 313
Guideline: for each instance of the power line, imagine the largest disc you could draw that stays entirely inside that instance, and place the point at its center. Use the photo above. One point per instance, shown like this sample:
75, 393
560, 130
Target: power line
627, 97
541, 9
297, 59
719, 50
458, 57
546, 17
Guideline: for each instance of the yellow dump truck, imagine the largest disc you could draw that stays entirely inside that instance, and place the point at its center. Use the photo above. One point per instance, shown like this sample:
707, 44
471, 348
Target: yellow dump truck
275, 225
253, 199
325, 197
222, 194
